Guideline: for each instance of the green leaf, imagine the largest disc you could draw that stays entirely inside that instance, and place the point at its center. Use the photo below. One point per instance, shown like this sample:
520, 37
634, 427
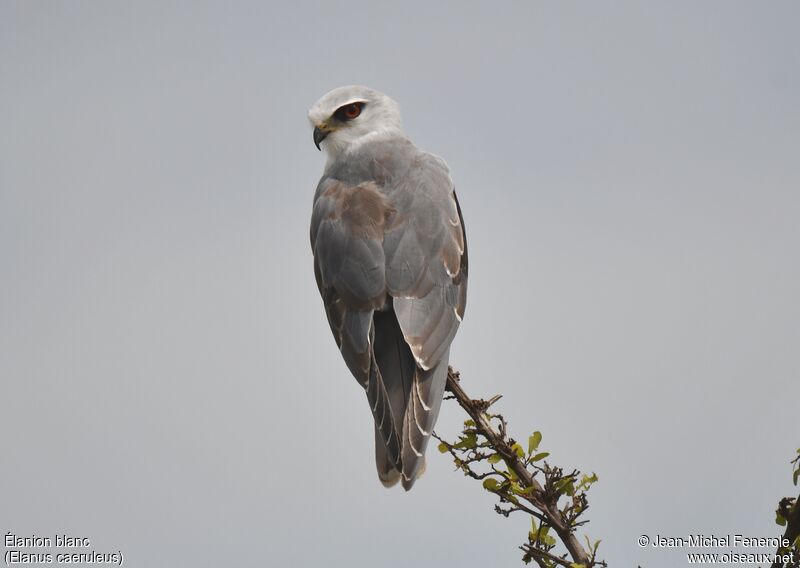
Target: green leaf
469, 423
565, 486
494, 458
779, 520
586, 481
540, 456
576, 565
518, 450
534, 441
490, 484
540, 535
443, 448
467, 442
796, 476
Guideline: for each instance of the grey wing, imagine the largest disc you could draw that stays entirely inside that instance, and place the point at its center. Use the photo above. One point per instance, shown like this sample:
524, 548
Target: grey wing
349, 264
402, 240
426, 274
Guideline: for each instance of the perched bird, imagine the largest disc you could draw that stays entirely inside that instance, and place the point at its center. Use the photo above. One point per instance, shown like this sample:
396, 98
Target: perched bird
390, 259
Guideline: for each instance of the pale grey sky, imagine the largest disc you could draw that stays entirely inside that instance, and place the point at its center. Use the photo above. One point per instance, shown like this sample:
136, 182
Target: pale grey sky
630, 181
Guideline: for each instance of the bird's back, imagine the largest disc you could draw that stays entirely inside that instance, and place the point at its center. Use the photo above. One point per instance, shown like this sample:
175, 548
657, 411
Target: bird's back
390, 260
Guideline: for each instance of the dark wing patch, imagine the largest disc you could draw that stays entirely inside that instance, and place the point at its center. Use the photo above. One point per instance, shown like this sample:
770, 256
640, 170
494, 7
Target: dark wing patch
461, 278
347, 239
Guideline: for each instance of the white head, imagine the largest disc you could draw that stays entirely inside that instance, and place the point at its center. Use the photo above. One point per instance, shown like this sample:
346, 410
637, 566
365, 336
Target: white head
351, 115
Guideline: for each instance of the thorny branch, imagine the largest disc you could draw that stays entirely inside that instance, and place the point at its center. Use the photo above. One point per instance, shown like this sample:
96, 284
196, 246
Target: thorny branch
523, 482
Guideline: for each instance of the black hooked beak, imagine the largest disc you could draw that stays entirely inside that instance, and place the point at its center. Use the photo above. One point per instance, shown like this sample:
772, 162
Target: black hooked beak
319, 136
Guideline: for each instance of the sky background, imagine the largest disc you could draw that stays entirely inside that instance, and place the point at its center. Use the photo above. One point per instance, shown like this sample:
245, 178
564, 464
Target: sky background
629, 174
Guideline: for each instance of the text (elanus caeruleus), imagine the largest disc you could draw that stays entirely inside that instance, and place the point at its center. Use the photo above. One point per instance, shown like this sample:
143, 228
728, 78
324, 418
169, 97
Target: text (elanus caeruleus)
390, 259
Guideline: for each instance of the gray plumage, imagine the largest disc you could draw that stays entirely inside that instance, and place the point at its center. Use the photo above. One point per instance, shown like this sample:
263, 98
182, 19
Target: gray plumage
390, 260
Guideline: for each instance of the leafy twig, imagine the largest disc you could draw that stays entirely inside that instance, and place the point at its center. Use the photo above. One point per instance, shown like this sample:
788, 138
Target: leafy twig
523, 481
788, 515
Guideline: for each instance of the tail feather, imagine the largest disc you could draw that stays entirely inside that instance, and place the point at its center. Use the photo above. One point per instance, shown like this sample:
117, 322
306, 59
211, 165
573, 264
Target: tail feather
394, 365
420, 416
387, 471
406, 401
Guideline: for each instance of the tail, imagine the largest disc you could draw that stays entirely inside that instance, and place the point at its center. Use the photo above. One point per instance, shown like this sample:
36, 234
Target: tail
420, 416
414, 397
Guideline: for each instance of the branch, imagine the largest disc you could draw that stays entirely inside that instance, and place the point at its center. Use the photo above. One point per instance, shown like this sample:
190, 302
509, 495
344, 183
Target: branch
788, 513
518, 483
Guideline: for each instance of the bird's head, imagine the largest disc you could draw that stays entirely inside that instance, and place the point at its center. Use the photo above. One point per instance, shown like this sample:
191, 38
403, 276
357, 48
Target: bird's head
350, 115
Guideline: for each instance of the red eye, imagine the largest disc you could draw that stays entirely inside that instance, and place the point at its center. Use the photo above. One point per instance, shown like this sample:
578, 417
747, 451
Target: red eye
349, 111
352, 111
